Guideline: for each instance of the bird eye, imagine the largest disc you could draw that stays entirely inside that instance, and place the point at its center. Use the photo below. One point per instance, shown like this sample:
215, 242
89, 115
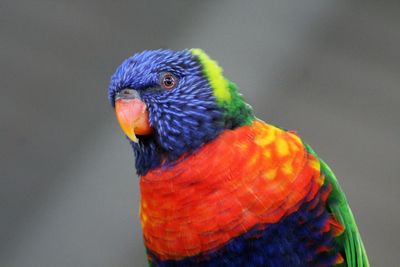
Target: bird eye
168, 81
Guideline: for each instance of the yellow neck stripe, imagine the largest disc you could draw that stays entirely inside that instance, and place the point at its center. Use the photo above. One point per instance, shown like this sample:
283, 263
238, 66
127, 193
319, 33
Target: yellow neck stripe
214, 74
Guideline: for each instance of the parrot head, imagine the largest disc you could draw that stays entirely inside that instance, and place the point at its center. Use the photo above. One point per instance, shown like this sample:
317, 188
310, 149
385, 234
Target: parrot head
170, 103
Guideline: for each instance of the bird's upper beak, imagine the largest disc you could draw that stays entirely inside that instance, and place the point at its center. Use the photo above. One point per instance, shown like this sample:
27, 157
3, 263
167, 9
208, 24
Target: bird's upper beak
133, 117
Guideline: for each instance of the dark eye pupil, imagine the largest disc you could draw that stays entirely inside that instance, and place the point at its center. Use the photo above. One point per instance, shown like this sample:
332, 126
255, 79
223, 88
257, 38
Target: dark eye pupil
168, 81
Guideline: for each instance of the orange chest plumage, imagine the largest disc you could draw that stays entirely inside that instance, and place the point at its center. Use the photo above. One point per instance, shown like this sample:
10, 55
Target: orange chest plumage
253, 175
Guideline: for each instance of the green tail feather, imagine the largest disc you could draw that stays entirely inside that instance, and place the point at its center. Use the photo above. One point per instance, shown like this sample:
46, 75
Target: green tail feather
353, 247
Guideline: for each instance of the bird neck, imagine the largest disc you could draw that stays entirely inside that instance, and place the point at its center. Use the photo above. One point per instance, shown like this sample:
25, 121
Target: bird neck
236, 111
149, 154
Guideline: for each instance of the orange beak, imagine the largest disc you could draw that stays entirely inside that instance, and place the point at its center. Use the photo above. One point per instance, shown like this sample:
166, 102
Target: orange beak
133, 117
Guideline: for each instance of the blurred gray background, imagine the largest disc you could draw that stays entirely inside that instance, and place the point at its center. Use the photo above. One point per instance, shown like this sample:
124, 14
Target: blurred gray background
68, 189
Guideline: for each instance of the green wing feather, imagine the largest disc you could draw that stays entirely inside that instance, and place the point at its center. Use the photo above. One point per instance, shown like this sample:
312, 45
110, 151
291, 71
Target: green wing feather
353, 247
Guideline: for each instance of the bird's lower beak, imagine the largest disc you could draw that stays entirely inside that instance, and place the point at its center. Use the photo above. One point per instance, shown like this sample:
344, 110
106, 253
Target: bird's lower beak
133, 117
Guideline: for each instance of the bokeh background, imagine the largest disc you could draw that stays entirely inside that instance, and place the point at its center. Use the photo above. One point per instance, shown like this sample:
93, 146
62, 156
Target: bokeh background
68, 190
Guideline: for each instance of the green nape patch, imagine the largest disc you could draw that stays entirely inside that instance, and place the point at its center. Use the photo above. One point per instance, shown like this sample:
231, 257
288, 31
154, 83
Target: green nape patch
237, 109
225, 91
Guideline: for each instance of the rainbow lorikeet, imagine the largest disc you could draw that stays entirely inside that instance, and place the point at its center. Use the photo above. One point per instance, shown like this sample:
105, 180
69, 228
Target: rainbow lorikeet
220, 187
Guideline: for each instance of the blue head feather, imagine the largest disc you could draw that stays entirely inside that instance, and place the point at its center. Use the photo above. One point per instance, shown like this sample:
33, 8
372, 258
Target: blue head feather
183, 118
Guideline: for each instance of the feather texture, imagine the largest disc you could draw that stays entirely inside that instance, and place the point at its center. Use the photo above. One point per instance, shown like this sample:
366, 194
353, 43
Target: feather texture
353, 246
222, 188
199, 208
